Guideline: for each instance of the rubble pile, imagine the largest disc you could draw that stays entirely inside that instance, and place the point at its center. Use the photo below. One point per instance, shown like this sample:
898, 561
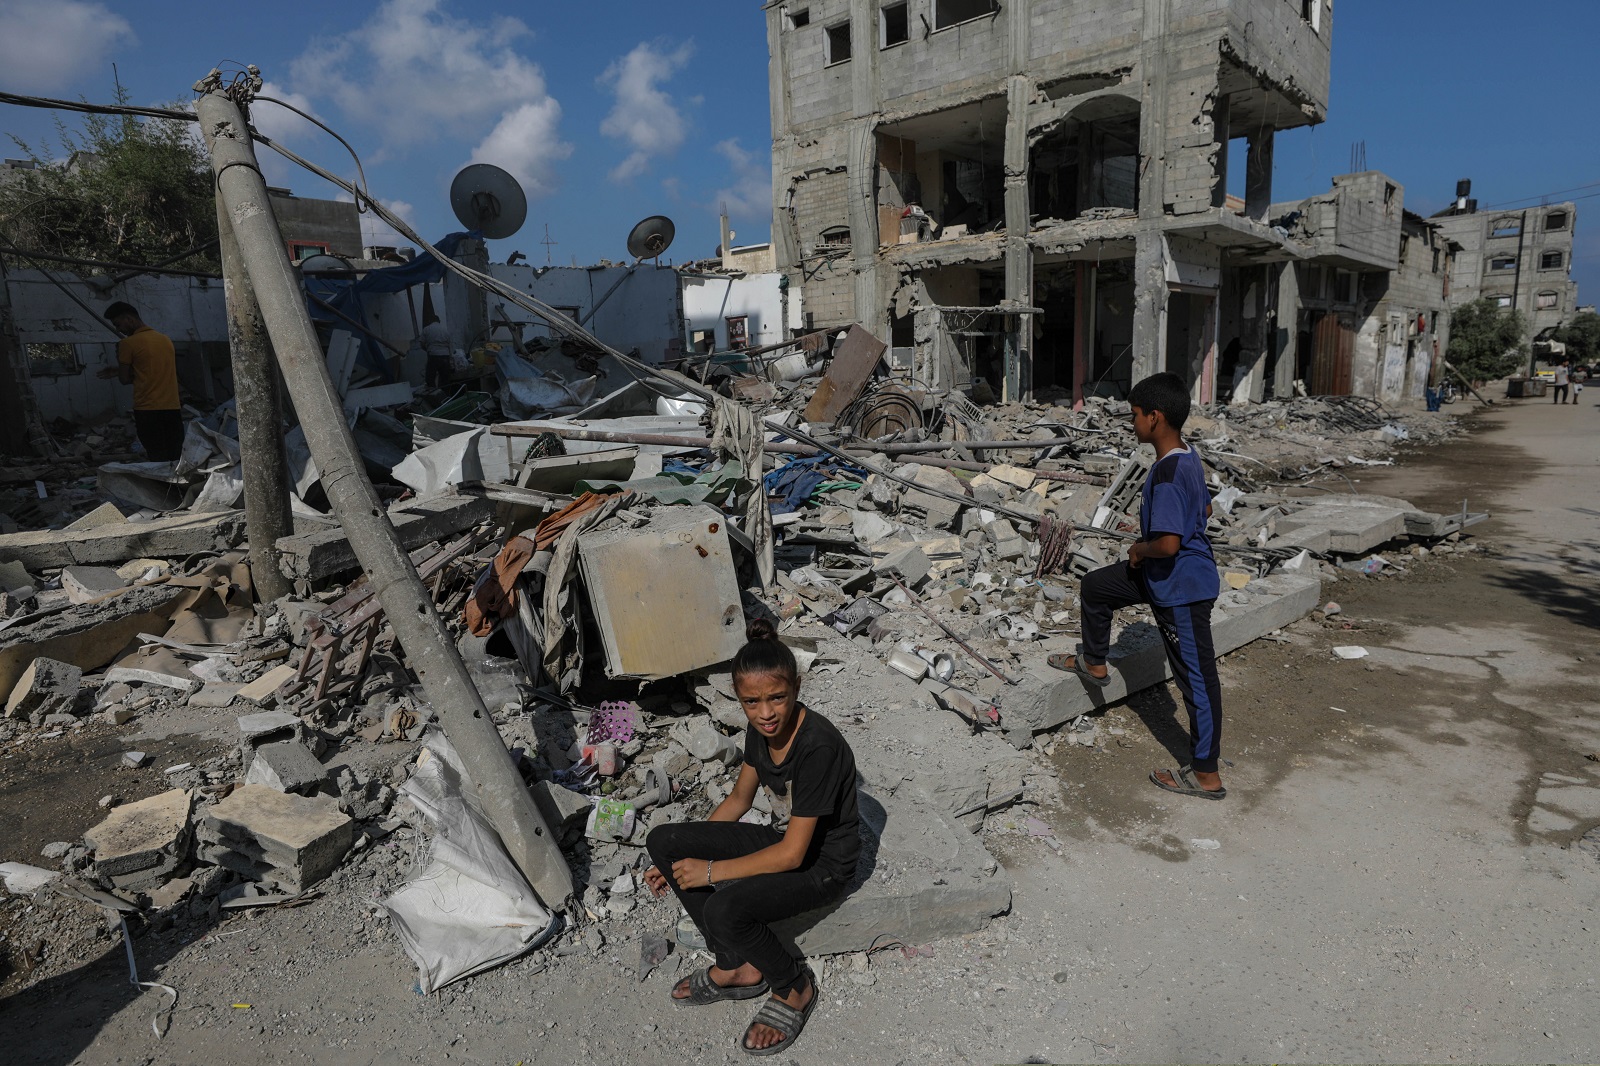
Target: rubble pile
597, 574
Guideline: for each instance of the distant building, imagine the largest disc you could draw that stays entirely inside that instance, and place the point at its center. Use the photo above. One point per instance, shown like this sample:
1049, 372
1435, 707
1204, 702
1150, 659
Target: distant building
1520, 259
317, 227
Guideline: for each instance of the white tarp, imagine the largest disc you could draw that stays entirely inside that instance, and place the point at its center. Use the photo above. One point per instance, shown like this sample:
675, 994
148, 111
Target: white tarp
444, 463
470, 909
525, 392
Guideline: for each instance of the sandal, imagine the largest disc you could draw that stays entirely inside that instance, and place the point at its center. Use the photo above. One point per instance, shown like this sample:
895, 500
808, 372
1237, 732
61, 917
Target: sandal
776, 1014
703, 990
1060, 661
1186, 785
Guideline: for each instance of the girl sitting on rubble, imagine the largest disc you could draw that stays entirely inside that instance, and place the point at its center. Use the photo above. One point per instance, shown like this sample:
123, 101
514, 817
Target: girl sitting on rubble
735, 879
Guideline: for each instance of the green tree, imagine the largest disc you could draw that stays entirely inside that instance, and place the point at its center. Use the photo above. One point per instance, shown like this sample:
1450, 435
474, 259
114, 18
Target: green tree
123, 189
1486, 342
1582, 337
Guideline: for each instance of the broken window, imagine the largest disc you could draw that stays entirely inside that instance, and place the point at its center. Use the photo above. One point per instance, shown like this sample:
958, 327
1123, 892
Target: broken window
1501, 263
894, 25
1555, 220
703, 340
799, 17
1506, 227
1436, 260
1087, 164
838, 44
1551, 261
952, 12
53, 360
300, 250
1548, 301
1311, 11
836, 237
1501, 299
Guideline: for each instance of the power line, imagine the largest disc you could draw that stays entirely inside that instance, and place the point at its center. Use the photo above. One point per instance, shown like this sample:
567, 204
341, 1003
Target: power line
1541, 196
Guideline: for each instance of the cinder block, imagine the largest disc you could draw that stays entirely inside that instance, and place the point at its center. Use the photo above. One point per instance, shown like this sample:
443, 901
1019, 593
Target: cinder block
46, 687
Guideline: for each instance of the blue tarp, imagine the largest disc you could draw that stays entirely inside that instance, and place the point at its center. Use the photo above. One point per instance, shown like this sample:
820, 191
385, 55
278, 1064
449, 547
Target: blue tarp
795, 481
345, 294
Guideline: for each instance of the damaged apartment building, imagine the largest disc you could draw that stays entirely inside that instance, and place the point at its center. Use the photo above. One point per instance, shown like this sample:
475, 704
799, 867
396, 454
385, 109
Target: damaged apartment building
1030, 196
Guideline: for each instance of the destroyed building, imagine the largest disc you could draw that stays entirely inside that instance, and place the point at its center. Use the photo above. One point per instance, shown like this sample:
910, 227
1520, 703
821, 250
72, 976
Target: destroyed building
1032, 196
1519, 258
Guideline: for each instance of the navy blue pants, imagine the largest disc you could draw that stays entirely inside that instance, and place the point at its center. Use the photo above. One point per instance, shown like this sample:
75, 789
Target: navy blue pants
1186, 632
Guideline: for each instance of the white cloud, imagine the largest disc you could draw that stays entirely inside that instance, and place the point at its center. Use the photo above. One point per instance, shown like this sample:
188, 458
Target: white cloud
45, 45
644, 117
414, 74
527, 142
375, 232
750, 195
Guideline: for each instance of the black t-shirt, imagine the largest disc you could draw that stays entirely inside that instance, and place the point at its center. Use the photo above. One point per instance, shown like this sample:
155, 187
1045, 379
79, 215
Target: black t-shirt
817, 780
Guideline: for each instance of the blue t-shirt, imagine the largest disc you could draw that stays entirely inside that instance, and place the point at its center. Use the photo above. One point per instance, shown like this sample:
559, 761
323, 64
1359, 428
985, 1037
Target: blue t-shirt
1175, 501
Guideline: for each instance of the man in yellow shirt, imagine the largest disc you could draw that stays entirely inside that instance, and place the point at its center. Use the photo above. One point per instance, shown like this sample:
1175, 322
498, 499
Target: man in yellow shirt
146, 360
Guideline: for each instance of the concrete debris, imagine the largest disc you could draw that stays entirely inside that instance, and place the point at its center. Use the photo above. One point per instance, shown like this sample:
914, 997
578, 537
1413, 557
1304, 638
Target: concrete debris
266, 835
46, 688
21, 879
141, 843
286, 766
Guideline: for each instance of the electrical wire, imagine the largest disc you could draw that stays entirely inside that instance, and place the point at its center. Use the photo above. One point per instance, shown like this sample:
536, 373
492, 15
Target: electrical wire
362, 174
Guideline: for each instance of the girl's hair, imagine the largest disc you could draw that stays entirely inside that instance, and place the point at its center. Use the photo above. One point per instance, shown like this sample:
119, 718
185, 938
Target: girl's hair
764, 653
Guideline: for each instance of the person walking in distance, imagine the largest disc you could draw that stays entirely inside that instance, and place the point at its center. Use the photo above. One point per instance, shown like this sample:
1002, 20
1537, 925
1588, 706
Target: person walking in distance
1172, 569
1563, 377
147, 361
436, 342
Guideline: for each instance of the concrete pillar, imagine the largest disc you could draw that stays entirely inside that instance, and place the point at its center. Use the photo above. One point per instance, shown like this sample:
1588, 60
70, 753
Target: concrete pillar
1258, 175
1219, 125
862, 177
1153, 112
1284, 336
1149, 304
1019, 256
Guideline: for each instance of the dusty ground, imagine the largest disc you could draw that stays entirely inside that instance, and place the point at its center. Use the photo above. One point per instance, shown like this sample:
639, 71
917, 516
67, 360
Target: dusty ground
1394, 878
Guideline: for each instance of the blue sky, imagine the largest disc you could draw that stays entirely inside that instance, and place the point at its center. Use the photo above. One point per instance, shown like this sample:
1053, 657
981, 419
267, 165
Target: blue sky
611, 111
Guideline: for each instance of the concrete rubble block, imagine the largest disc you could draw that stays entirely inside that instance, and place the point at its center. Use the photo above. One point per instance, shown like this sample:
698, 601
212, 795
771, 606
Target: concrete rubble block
176, 537
88, 636
314, 556
286, 766
1018, 478
1048, 698
1008, 543
909, 561
561, 808
1352, 529
46, 687
215, 695
266, 835
85, 584
14, 576
104, 515
869, 527
140, 843
21, 879
921, 877
268, 727
936, 510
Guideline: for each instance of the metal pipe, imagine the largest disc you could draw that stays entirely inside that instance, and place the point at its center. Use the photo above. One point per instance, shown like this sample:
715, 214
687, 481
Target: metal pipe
664, 440
259, 413
428, 645
964, 646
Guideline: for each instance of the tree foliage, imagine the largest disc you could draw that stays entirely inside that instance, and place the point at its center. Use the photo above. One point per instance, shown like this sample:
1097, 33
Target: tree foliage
1582, 337
122, 189
1486, 342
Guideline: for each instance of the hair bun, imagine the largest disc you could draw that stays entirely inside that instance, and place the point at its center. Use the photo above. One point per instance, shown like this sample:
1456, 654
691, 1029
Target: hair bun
760, 629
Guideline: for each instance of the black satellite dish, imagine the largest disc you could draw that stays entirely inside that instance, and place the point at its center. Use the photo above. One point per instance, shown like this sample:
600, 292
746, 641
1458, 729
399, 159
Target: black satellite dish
651, 237
487, 199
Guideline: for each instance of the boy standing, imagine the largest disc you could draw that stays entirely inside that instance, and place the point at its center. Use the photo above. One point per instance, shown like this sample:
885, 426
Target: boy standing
1172, 569
147, 360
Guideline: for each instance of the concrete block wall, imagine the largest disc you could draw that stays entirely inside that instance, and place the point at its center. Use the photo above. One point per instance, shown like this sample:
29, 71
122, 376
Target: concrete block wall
819, 94
1272, 38
1083, 36
949, 64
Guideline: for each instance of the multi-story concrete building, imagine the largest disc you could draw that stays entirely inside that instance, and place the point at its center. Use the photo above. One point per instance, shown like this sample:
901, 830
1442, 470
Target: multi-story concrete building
1034, 192
1521, 259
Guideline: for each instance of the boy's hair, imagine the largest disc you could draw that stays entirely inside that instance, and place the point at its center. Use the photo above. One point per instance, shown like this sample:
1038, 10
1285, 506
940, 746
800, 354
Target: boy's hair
118, 310
1166, 393
765, 654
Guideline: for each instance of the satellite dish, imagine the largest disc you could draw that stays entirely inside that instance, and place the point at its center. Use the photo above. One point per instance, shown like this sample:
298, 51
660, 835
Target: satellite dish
651, 237
487, 199
323, 263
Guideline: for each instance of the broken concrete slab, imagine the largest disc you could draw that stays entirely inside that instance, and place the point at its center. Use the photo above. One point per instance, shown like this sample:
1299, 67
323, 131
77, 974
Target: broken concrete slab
21, 879
267, 835
87, 636
14, 576
176, 536
86, 584
269, 727
46, 687
104, 515
1352, 529
921, 877
314, 556
1048, 698
286, 766
140, 843
562, 809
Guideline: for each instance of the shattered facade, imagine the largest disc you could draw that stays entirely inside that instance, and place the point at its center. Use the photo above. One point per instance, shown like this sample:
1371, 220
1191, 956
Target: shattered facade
1033, 195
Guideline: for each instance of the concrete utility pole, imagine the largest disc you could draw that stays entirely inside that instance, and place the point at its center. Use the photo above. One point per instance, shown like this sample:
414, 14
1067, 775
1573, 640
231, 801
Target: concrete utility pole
428, 646
260, 417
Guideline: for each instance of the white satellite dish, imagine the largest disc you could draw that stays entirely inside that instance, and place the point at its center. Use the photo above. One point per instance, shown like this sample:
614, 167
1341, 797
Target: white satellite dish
489, 200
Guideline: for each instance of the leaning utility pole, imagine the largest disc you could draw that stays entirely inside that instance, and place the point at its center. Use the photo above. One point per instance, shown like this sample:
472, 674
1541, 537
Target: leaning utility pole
406, 601
260, 417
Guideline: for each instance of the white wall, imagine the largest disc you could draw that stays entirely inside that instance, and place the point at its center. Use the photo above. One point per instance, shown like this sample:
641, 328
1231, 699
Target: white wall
642, 312
709, 300
189, 310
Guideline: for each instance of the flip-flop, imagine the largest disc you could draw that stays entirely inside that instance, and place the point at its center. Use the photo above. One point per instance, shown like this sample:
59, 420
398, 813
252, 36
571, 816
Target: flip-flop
1186, 785
703, 990
1058, 661
778, 1015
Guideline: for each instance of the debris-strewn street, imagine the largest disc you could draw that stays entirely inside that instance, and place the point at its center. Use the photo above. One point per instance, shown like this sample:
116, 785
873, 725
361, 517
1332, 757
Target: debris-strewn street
1403, 845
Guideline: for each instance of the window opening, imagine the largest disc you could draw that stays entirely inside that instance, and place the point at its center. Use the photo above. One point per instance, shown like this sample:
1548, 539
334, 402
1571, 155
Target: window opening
1555, 220
838, 43
948, 13
1502, 263
894, 26
1505, 227
1548, 301
800, 18
1501, 299
52, 360
1551, 261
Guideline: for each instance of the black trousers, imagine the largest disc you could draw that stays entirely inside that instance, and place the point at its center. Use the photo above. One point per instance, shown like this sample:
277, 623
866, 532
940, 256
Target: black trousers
1186, 634
735, 917
1559, 393
438, 371
161, 433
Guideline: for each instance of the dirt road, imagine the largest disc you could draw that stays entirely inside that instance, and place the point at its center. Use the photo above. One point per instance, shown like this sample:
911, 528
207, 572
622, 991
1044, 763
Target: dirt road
1392, 879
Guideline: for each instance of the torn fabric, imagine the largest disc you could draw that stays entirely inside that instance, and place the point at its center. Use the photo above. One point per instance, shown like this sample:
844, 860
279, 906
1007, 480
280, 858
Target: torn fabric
737, 434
